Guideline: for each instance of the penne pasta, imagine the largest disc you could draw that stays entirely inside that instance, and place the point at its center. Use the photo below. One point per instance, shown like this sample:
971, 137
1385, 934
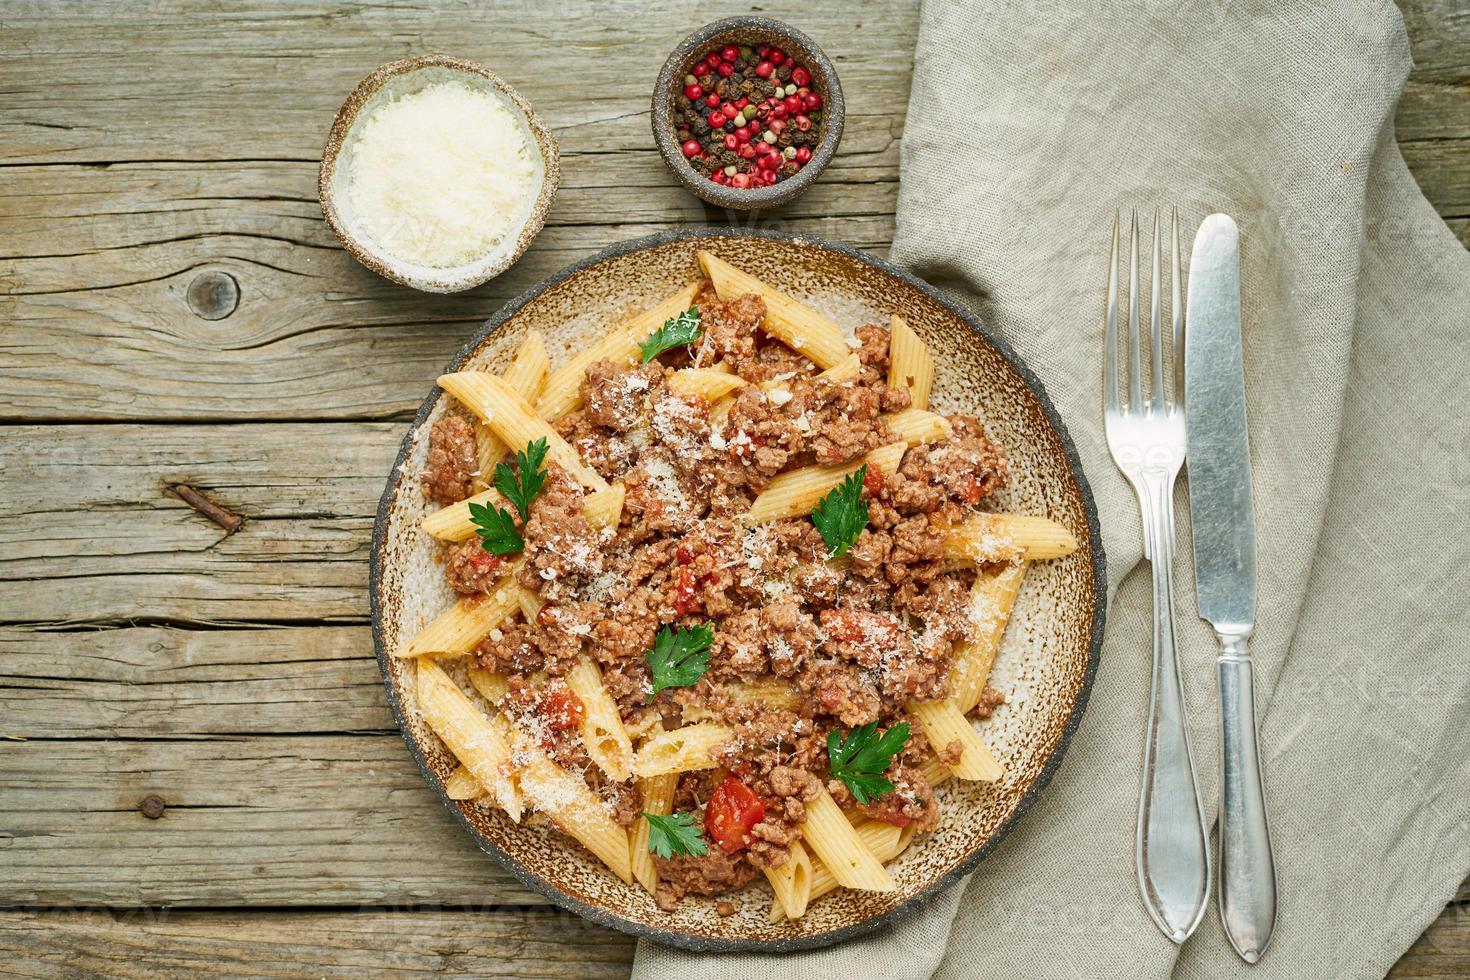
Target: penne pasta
461, 627
563, 391
526, 375
531, 604
490, 685
559, 794
992, 598
797, 326
881, 838
462, 785
916, 426
792, 883
1005, 537
604, 508
710, 383
909, 362
843, 371
603, 734
795, 492
943, 723
453, 522
935, 771
770, 692
578, 811
658, 799
515, 421
466, 731
681, 750
832, 839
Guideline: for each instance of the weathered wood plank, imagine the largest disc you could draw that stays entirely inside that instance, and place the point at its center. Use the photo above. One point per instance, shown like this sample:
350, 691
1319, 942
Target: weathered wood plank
251, 820
118, 545
159, 682
167, 943
589, 73
314, 334
537, 943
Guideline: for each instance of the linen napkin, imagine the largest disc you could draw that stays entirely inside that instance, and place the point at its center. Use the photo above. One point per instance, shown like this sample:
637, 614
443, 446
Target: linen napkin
1027, 129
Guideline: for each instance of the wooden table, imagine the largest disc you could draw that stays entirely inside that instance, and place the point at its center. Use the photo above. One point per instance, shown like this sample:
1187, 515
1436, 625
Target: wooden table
198, 767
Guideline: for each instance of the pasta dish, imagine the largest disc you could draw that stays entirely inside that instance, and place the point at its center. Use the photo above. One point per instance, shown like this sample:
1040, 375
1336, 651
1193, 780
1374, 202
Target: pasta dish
727, 596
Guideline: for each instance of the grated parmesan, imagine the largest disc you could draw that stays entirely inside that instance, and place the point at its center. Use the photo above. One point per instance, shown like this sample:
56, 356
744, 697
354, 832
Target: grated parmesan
441, 176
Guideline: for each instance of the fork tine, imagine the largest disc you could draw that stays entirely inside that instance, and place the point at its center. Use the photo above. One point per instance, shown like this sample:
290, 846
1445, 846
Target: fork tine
1110, 332
1178, 313
1135, 363
1156, 333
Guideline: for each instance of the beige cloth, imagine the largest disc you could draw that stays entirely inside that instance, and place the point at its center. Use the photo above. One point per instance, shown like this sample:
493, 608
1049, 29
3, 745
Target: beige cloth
1027, 128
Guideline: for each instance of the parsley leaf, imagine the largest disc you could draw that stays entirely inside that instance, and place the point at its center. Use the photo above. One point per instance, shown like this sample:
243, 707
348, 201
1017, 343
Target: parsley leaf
843, 513
497, 530
679, 657
520, 488
674, 834
861, 759
676, 332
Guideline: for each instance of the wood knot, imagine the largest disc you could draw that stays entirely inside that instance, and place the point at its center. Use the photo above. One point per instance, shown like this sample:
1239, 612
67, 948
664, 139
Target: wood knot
213, 295
152, 807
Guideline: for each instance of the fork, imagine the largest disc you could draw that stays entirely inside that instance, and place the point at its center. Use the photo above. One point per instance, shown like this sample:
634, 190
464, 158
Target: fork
1146, 438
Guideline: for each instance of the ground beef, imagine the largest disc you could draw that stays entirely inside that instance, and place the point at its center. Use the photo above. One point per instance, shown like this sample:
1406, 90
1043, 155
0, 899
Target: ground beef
844, 420
454, 462
613, 397
730, 330
965, 468
563, 550
990, 699
912, 801
471, 570
713, 874
759, 437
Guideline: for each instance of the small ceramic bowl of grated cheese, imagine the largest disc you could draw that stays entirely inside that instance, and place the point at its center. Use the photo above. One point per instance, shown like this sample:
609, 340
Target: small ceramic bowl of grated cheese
437, 174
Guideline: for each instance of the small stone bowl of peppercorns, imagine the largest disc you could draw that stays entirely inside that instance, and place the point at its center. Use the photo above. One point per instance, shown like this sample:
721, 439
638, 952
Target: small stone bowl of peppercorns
747, 112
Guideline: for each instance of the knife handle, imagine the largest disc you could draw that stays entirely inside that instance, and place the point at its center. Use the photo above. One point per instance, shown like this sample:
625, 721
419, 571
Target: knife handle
1172, 853
1247, 868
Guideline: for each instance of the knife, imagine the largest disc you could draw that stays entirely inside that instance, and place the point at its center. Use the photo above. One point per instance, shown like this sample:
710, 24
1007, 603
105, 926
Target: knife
1225, 573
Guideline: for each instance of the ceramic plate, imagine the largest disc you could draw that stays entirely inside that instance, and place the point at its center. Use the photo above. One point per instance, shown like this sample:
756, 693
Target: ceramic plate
1045, 666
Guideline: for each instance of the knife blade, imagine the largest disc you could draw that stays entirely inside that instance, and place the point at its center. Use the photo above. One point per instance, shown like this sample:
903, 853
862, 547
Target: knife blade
1224, 533
1215, 427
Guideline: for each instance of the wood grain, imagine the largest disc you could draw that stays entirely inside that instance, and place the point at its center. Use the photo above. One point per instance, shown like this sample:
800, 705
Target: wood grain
272, 819
145, 651
473, 941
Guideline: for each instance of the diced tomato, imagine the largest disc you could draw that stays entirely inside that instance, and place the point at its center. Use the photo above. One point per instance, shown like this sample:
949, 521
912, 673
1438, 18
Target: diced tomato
972, 489
683, 555
873, 481
484, 561
685, 599
890, 815
858, 626
732, 810
560, 710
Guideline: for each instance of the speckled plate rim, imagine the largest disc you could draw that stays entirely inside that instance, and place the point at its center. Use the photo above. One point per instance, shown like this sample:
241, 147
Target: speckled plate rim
686, 940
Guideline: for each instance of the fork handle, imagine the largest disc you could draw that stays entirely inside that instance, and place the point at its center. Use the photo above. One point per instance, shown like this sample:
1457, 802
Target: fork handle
1173, 850
1247, 868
